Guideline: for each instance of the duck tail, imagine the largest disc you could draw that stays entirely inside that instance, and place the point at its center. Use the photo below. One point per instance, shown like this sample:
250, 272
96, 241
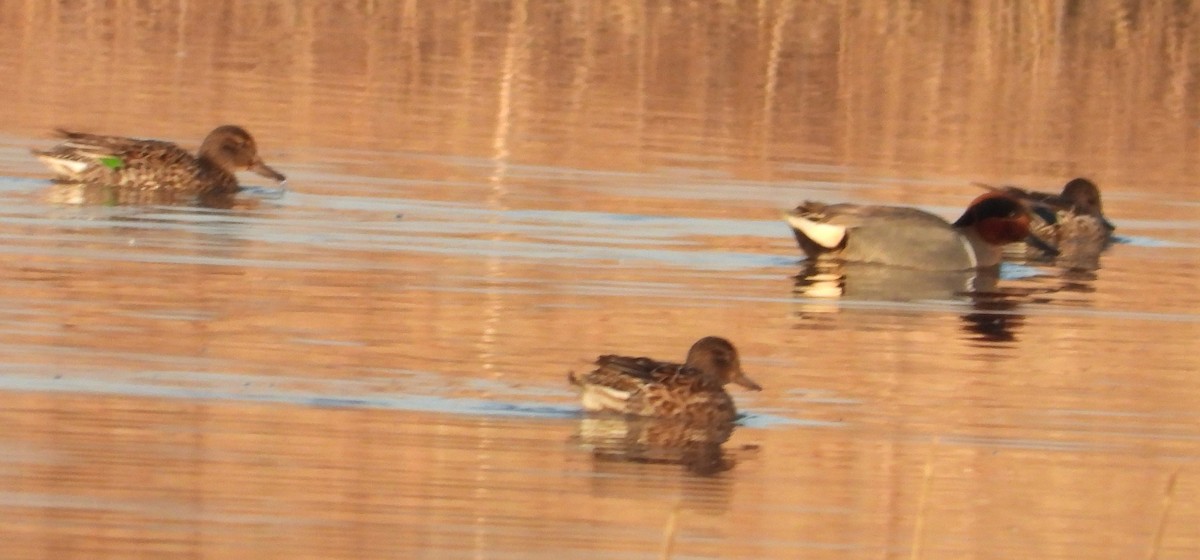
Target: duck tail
62, 163
814, 236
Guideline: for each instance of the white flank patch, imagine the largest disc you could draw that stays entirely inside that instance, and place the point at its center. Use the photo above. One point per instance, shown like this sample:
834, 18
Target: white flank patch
596, 398
969, 245
64, 166
828, 236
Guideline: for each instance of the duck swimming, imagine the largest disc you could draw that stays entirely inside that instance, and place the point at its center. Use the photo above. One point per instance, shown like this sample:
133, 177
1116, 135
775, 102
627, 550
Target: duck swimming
908, 237
692, 392
145, 165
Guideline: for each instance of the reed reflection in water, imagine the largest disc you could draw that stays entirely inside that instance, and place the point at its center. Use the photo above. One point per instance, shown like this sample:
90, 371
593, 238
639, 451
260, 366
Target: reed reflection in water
484, 194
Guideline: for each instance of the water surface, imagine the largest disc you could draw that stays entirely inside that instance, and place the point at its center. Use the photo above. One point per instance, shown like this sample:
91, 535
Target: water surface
485, 195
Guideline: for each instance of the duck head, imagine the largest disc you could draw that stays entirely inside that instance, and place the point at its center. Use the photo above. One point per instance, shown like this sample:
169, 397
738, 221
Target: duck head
232, 148
999, 219
716, 356
1084, 198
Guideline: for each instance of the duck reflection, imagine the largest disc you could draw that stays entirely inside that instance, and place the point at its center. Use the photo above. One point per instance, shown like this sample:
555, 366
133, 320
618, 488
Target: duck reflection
996, 314
872, 282
1078, 280
994, 318
79, 194
632, 439
635, 458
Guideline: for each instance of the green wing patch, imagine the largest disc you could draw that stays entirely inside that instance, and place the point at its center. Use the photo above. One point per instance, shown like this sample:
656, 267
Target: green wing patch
112, 162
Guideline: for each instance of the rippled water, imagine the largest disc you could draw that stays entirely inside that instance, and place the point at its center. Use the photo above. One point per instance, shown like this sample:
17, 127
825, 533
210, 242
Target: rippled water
485, 195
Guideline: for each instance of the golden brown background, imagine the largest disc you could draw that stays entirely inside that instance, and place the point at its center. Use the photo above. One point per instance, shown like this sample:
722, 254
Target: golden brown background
485, 194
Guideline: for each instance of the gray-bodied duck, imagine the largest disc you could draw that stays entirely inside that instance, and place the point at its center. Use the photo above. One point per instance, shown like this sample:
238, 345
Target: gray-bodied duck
156, 165
692, 392
913, 238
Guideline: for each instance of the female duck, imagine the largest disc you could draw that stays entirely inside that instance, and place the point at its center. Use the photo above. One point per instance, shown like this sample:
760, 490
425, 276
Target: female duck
1074, 216
146, 165
908, 237
692, 392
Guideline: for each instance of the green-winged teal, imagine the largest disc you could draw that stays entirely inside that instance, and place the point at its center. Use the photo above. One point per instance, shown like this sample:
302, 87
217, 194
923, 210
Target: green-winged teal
692, 392
139, 164
908, 237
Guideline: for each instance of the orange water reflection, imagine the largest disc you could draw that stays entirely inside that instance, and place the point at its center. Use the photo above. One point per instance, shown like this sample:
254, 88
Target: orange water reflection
487, 194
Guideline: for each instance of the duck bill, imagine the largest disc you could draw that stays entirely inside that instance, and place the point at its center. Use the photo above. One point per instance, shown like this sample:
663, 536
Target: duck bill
265, 170
746, 382
1042, 245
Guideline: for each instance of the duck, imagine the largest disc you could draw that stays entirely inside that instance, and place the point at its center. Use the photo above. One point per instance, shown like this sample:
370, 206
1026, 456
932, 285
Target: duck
909, 237
692, 392
137, 164
1074, 216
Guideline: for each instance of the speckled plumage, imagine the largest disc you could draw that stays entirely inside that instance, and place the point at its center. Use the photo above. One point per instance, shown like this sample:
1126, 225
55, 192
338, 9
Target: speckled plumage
1076, 215
154, 165
1072, 220
692, 392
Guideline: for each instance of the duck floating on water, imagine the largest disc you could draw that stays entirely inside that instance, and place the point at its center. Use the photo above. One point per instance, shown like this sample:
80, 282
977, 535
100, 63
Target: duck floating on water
153, 165
908, 237
692, 392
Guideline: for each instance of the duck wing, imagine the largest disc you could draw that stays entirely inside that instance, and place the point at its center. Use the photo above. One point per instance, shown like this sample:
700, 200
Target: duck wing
82, 156
632, 371
852, 216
